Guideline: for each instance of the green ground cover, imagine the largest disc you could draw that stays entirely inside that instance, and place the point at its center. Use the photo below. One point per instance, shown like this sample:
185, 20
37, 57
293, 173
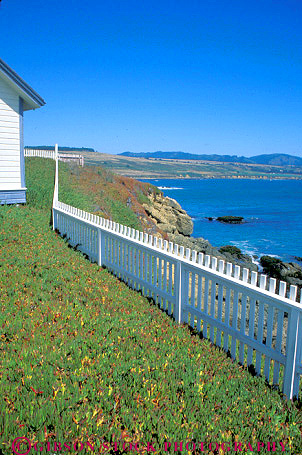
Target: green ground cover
85, 358
93, 189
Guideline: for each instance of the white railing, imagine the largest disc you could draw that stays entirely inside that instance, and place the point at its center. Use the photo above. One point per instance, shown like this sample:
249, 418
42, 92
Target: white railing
242, 314
79, 159
39, 153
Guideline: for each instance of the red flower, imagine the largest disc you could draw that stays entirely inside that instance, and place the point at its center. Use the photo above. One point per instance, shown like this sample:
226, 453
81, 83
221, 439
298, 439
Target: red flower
36, 391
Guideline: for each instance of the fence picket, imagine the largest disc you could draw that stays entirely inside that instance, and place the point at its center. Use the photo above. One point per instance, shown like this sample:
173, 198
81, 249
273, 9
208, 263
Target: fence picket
269, 335
244, 299
227, 309
235, 312
260, 325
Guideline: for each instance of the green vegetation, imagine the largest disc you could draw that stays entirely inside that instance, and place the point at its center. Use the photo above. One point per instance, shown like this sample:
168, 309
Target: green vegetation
123, 214
95, 190
40, 177
232, 250
271, 266
85, 358
275, 268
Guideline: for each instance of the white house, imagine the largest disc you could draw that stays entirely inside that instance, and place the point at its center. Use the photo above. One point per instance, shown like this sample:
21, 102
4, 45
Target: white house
16, 96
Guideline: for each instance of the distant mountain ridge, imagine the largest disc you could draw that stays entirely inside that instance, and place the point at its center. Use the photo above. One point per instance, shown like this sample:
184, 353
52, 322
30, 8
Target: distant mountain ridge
276, 159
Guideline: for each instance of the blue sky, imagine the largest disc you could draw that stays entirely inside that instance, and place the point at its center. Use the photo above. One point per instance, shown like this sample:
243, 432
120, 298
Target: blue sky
197, 76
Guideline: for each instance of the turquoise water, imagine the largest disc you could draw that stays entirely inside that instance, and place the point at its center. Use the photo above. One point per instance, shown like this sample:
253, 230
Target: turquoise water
271, 209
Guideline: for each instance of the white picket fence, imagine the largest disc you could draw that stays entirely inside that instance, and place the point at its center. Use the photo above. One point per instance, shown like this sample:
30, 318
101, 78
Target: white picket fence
242, 314
79, 159
29, 153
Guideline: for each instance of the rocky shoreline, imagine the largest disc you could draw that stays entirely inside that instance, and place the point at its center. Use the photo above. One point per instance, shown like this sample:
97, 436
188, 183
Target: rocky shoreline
169, 217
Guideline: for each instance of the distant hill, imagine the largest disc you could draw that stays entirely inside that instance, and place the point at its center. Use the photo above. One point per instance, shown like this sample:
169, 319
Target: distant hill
277, 159
61, 149
188, 156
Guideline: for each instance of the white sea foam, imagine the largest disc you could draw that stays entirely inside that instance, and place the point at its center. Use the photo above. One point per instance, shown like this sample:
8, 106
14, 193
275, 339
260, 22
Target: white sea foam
169, 188
248, 249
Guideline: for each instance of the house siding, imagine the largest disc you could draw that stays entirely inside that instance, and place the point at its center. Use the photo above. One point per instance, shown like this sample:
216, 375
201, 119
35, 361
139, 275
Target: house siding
13, 197
22, 160
10, 171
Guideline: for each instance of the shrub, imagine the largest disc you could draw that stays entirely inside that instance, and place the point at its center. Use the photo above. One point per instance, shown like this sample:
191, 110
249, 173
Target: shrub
271, 266
231, 249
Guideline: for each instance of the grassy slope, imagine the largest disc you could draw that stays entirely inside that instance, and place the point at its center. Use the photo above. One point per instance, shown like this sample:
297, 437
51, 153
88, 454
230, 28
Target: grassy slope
84, 357
94, 189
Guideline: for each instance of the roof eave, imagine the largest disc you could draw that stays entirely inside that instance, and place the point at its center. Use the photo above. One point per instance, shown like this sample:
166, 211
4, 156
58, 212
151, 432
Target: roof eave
32, 99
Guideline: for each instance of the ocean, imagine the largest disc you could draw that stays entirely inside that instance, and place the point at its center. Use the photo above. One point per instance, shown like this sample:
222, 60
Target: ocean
271, 211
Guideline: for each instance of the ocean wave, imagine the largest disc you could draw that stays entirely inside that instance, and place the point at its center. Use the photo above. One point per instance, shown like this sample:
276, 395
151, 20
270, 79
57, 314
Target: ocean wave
247, 248
250, 250
169, 188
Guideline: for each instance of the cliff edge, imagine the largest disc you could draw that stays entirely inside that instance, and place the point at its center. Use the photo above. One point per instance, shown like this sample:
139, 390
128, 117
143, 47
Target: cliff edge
168, 215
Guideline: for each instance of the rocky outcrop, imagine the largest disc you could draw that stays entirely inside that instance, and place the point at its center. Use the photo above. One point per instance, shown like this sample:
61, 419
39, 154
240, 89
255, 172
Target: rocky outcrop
202, 245
289, 272
230, 219
168, 215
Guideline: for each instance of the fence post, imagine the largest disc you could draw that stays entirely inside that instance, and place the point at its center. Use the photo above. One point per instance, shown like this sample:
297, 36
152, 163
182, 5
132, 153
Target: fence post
56, 191
101, 248
54, 219
291, 353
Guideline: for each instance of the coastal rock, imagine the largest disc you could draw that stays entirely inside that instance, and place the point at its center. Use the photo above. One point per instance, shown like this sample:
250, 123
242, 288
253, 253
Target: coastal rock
172, 222
202, 245
168, 215
289, 272
230, 219
198, 244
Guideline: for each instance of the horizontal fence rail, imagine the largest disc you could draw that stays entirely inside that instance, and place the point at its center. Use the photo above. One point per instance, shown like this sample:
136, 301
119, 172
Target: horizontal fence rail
79, 159
245, 315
